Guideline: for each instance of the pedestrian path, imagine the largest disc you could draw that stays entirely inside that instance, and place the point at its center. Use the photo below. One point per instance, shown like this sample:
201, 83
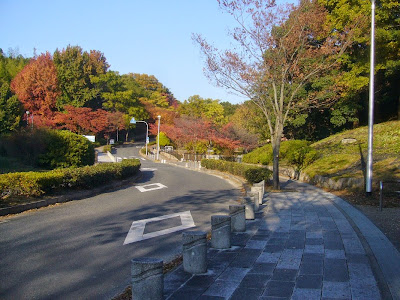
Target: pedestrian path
304, 244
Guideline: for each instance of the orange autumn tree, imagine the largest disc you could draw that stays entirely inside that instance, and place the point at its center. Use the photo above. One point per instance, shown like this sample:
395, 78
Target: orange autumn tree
278, 51
37, 89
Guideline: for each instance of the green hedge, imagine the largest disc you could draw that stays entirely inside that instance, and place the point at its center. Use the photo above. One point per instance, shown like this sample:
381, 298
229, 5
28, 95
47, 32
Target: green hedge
48, 148
251, 173
296, 153
34, 184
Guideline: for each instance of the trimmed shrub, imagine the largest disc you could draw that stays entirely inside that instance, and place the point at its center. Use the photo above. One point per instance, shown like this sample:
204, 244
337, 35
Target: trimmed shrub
251, 173
34, 184
255, 175
66, 149
49, 149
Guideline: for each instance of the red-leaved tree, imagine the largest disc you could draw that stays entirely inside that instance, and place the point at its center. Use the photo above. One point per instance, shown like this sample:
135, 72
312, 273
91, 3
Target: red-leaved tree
37, 89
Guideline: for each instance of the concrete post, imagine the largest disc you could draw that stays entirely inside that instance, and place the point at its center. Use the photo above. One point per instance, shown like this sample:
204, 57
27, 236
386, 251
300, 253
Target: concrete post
220, 232
238, 218
249, 208
262, 185
254, 198
194, 252
147, 278
258, 190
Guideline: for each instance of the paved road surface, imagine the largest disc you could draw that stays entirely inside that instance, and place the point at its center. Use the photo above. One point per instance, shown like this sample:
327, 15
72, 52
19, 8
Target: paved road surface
76, 249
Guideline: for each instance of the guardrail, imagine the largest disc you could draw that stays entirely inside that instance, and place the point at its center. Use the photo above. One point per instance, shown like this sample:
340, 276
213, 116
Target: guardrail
381, 191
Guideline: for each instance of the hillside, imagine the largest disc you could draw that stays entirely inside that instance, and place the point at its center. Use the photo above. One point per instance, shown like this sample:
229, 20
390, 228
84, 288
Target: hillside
345, 154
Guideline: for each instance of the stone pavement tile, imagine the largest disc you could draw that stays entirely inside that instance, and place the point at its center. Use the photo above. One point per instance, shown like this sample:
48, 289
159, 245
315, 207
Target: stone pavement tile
262, 268
174, 280
353, 246
309, 282
280, 235
314, 234
357, 259
240, 239
339, 290
279, 288
309, 257
267, 257
311, 267
225, 256
263, 232
255, 281
338, 254
246, 258
290, 259
222, 288
362, 282
187, 293
335, 270
274, 248
314, 241
246, 293
256, 244
259, 237
210, 298
233, 274
284, 275
334, 245
201, 281
277, 241
306, 294
215, 268
318, 249
295, 244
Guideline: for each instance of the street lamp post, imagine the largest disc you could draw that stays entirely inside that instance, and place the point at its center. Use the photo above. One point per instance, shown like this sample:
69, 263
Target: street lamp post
368, 184
158, 137
133, 121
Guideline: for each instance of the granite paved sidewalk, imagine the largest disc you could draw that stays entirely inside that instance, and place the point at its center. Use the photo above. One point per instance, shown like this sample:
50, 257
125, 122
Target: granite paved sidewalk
304, 244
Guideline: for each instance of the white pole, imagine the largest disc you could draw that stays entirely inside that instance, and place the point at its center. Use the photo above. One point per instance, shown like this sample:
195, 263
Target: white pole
158, 137
368, 184
147, 134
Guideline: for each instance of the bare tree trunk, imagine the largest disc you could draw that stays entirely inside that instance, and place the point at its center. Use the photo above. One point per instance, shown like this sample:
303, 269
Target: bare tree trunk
275, 171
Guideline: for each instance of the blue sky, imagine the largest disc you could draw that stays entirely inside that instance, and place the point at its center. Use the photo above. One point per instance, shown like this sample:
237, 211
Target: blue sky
148, 36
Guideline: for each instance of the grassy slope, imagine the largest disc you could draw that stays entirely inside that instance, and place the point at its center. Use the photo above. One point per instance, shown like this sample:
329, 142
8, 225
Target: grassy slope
347, 160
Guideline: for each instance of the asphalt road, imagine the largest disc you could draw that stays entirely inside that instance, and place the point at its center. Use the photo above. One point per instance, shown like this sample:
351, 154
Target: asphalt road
76, 250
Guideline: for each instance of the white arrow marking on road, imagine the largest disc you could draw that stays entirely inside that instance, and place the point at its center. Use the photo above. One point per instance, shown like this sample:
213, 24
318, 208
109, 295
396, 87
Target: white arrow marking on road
136, 231
151, 187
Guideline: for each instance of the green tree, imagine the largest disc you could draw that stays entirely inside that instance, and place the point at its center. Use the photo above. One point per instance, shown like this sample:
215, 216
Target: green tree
77, 72
10, 109
356, 63
208, 109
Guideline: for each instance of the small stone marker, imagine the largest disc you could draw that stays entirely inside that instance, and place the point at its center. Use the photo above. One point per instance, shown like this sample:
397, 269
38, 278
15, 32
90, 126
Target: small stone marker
147, 278
194, 252
220, 232
238, 218
249, 208
258, 190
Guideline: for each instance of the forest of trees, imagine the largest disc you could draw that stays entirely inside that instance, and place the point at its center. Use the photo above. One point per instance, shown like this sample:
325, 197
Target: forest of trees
75, 89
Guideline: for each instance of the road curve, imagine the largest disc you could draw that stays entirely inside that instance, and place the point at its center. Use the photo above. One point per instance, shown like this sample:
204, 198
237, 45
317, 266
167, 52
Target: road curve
76, 249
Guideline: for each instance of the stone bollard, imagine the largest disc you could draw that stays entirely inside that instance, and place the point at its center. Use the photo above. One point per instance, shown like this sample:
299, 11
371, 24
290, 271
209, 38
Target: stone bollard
220, 232
254, 198
195, 252
238, 218
147, 278
261, 184
249, 208
258, 190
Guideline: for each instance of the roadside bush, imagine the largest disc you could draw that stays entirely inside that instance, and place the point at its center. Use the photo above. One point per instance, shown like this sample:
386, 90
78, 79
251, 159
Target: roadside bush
164, 140
49, 148
66, 149
255, 175
107, 148
34, 184
251, 173
297, 153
